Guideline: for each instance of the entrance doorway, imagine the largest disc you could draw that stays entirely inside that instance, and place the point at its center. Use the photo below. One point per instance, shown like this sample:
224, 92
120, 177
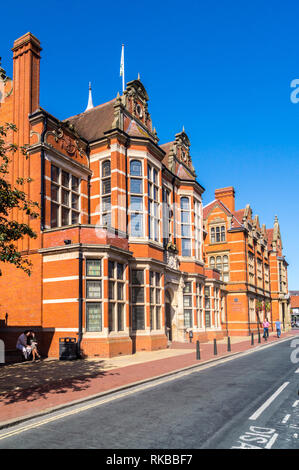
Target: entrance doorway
168, 316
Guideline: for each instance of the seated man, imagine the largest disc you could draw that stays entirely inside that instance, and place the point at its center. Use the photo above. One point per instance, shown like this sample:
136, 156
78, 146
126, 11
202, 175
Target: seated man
22, 344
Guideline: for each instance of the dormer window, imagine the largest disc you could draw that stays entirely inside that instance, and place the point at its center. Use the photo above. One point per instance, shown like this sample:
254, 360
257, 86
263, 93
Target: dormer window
139, 111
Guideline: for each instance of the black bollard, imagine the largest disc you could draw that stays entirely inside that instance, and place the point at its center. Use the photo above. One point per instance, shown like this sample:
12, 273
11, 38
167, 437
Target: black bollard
259, 336
252, 339
197, 351
228, 344
215, 347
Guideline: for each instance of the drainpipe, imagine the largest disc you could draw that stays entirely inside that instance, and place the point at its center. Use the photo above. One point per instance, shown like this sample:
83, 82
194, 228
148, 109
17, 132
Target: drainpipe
88, 200
88, 188
80, 334
173, 205
126, 171
42, 187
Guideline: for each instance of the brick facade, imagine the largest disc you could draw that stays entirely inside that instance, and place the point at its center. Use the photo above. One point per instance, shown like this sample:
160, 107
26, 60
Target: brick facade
251, 263
119, 259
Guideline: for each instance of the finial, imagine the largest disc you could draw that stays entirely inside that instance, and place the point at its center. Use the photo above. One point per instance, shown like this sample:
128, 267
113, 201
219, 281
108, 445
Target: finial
138, 78
183, 128
90, 103
276, 219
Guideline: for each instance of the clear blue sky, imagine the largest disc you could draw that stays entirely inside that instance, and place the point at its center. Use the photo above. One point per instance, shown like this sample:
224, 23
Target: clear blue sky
222, 69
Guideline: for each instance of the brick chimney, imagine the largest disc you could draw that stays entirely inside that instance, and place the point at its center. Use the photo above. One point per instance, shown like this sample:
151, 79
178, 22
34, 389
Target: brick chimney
26, 68
26, 55
227, 196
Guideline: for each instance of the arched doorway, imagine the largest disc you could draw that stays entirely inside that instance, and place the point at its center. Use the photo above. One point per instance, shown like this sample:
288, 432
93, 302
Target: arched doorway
168, 323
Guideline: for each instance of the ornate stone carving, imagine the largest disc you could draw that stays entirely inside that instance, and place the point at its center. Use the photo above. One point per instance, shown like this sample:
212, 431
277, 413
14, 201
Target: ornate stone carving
32, 133
171, 259
70, 145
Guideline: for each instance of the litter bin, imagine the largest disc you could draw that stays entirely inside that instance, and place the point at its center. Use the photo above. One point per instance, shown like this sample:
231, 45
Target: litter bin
67, 349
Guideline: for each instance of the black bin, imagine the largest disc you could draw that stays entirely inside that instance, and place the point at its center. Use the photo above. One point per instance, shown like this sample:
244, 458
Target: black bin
67, 349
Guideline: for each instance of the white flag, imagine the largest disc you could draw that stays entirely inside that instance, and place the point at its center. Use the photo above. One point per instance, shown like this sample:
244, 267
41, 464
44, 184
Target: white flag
122, 66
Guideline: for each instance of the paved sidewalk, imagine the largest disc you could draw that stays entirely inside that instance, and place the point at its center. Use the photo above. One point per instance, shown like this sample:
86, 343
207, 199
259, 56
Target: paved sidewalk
32, 388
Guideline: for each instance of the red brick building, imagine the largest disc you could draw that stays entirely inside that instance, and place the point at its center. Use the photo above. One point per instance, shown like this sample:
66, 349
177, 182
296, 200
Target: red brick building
251, 263
118, 259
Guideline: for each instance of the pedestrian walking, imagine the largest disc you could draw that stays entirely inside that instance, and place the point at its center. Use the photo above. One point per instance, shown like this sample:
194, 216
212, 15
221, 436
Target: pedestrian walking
278, 328
266, 325
22, 344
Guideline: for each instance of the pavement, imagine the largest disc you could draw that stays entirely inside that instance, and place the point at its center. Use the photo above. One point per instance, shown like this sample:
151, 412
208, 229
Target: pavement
32, 389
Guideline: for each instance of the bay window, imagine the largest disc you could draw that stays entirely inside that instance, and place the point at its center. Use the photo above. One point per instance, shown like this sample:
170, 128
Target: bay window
136, 198
185, 226
94, 295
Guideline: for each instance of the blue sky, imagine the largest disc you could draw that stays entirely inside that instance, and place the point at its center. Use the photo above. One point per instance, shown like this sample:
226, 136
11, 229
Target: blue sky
222, 69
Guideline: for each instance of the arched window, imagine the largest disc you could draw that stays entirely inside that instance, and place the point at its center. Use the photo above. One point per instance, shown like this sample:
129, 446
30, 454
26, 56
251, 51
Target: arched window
185, 226
217, 234
106, 168
212, 235
219, 263
225, 269
106, 193
135, 168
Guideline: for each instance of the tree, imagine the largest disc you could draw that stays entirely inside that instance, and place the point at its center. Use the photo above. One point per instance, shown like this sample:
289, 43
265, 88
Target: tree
13, 196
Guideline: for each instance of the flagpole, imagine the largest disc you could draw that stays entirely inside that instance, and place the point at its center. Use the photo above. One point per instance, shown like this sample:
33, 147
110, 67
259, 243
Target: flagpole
122, 66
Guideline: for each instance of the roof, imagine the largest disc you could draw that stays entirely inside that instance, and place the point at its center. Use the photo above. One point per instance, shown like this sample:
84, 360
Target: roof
294, 301
93, 123
134, 129
239, 215
209, 207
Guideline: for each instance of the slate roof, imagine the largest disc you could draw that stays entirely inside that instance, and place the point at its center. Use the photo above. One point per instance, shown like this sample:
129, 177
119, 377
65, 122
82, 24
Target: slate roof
93, 123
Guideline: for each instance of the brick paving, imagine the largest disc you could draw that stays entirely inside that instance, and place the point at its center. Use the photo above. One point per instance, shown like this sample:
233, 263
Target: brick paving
29, 389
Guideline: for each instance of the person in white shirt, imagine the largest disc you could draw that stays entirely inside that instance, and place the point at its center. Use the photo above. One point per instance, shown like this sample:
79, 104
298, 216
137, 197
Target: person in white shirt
22, 344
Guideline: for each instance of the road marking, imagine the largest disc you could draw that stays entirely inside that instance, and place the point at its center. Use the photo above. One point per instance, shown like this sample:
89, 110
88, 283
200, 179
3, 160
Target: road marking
268, 402
99, 402
297, 371
295, 403
271, 442
135, 390
285, 419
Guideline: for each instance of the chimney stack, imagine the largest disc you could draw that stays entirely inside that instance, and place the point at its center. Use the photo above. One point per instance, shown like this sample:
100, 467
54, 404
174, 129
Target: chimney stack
227, 197
26, 56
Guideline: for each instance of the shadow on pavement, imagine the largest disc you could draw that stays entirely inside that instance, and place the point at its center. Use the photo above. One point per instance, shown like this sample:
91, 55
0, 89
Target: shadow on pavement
34, 380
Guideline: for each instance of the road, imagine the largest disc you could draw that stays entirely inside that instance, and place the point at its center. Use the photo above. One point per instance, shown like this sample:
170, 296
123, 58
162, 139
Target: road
250, 401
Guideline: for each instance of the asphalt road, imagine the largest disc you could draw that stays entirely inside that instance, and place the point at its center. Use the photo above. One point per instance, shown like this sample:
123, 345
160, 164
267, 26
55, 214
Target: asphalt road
251, 401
